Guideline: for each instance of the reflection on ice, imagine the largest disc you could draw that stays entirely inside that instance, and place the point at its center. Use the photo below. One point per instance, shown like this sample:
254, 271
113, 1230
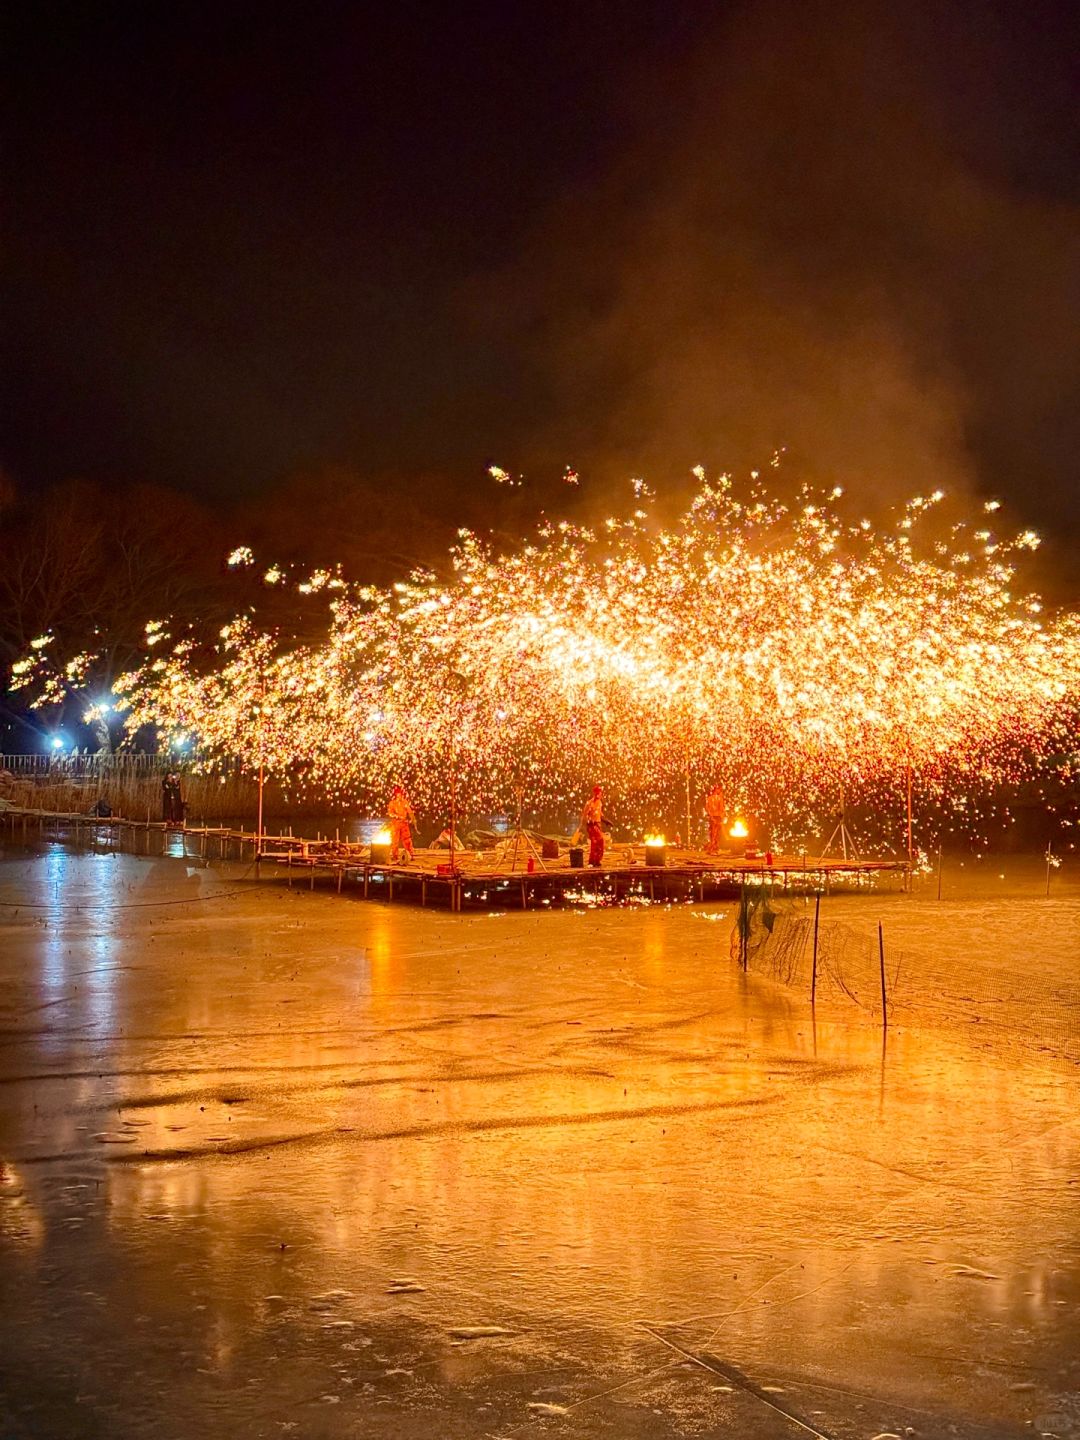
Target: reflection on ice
281, 1157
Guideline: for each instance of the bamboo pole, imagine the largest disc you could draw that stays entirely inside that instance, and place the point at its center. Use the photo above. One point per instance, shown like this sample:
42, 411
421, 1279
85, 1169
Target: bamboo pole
881, 958
813, 972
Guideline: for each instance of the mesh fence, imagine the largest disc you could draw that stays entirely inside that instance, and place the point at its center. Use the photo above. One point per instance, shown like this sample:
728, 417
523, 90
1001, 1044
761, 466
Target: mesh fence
998, 1006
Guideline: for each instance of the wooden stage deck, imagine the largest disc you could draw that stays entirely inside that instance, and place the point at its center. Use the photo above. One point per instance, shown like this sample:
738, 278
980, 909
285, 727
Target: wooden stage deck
488, 880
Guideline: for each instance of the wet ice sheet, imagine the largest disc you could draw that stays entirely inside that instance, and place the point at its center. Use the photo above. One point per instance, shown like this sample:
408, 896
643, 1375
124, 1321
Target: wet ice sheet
281, 1163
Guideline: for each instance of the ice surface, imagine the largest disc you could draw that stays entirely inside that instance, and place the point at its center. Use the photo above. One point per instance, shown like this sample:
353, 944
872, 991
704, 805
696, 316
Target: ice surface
274, 1162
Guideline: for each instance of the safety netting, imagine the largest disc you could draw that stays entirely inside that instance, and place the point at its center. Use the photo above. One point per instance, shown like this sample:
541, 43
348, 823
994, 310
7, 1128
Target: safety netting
992, 1002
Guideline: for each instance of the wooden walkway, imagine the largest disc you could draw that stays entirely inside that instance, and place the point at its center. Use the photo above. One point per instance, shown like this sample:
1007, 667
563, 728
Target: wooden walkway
488, 880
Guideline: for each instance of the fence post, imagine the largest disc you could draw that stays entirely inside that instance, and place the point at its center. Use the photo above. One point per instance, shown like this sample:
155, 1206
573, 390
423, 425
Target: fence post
881, 956
813, 972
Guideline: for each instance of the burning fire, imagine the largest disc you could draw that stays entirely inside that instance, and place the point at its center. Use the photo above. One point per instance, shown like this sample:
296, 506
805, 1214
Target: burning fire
740, 830
381, 837
655, 840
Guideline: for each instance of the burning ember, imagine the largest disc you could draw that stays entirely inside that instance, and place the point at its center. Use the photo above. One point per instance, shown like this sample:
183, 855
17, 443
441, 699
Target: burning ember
740, 830
655, 840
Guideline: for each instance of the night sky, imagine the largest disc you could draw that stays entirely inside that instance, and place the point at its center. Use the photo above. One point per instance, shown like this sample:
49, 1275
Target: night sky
409, 240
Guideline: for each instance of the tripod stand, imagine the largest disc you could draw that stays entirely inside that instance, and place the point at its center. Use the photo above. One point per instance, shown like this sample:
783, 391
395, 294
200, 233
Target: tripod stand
523, 843
842, 834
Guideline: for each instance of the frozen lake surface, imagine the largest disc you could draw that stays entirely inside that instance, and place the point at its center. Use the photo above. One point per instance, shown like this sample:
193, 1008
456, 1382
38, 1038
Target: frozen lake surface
274, 1163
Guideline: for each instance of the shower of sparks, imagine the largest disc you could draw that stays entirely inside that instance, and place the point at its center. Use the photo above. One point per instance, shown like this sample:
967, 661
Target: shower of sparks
778, 649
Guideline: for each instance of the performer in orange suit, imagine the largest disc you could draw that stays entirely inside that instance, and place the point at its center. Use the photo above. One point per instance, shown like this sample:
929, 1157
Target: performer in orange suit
715, 808
402, 816
593, 818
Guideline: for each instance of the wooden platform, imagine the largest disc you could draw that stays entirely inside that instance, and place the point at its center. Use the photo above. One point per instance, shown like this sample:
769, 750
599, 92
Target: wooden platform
481, 883
488, 880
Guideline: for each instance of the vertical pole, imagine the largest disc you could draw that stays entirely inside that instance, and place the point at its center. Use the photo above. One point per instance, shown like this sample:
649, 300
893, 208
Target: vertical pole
910, 847
259, 826
453, 804
813, 972
939, 872
688, 798
1049, 862
881, 957
744, 926
843, 823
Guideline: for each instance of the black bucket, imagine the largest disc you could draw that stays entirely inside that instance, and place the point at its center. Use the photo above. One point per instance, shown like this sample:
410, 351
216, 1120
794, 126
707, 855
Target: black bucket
577, 857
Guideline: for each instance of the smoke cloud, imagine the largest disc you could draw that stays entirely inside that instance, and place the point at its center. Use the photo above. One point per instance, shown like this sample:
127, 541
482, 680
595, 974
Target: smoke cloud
815, 236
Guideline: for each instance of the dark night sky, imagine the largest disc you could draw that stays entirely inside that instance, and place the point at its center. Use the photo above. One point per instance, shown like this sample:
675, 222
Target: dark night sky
242, 238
